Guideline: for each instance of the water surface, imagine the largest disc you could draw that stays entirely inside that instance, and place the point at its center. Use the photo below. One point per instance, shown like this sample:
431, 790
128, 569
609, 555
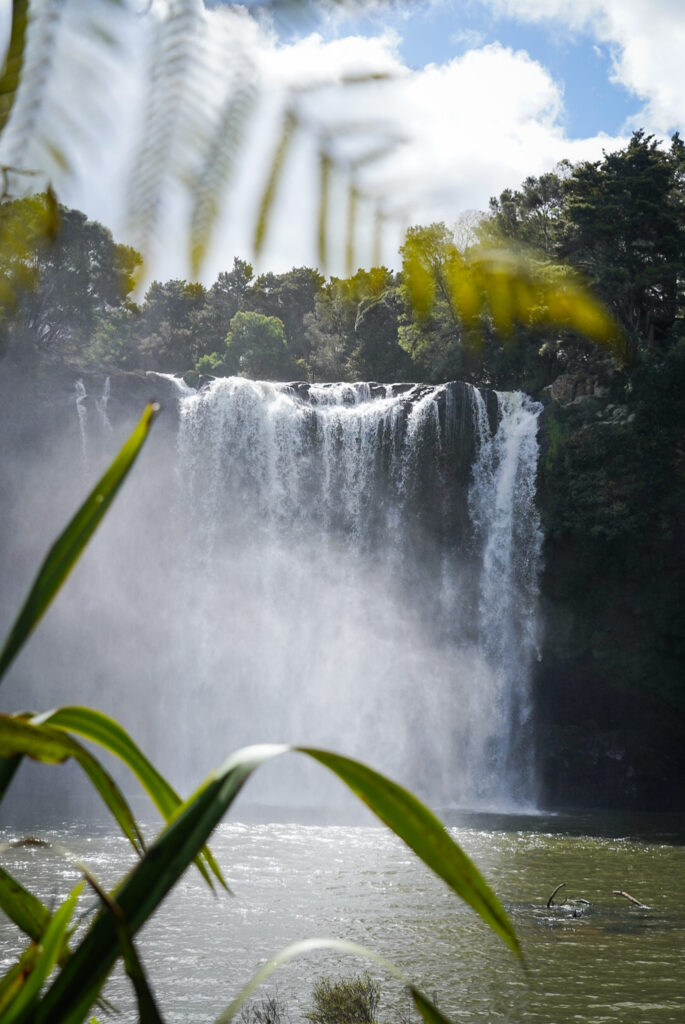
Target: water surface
608, 961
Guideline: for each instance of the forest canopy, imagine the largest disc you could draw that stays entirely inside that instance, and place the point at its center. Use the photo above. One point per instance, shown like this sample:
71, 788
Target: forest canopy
618, 222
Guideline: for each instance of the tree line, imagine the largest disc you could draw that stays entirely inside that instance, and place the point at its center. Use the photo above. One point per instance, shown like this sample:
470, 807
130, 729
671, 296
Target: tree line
618, 221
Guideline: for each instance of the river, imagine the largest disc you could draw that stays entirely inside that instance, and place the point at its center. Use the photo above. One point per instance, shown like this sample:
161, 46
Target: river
611, 962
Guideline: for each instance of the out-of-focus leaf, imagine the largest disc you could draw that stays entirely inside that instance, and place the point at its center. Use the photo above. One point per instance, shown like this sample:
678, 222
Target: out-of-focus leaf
170, 109
420, 283
67, 548
22, 907
52, 745
26, 226
377, 241
147, 1007
14, 61
325, 168
48, 954
217, 168
428, 1010
99, 728
180, 842
15, 978
351, 233
512, 289
8, 767
290, 124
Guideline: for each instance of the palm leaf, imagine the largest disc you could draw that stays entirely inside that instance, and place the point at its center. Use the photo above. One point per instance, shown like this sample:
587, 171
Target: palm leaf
169, 106
222, 154
69, 545
428, 1010
290, 125
147, 1007
14, 979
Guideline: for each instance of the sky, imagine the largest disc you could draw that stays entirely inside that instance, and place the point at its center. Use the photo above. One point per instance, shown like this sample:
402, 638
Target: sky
479, 94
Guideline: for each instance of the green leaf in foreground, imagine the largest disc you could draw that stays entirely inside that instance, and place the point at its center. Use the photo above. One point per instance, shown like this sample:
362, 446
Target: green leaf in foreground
148, 883
100, 728
147, 1007
69, 545
425, 834
48, 953
22, 907
51, 745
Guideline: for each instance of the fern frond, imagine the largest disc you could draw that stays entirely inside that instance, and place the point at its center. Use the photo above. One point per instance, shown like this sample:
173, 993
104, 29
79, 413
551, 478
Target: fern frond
27, 107
169, 106
325, 170
11, 73
221, 157
351, 228
288, 129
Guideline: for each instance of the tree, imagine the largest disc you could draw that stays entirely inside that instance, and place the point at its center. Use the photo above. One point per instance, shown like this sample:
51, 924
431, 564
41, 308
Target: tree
75, 280
229, 295
290, 297
170, 328
378, 355
431, 331
255, 347
531, 216
330, 329
626, 232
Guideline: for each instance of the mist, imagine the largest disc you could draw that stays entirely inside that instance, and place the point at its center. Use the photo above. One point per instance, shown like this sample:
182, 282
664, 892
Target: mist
346, 566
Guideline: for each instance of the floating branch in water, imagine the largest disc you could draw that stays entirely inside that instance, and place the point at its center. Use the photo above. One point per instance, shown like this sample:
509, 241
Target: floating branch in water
550, 901
627, 896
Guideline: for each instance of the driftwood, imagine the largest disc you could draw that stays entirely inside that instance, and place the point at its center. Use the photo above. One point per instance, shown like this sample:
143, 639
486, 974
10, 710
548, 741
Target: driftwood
626, 895
550, 901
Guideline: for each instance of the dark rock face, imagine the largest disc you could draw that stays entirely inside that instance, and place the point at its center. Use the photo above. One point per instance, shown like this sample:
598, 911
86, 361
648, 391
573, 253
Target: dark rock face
610, 687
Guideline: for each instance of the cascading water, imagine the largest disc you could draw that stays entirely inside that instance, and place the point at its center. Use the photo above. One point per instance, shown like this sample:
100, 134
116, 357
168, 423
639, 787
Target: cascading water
102, 403
82, 420
507, 530
360, 567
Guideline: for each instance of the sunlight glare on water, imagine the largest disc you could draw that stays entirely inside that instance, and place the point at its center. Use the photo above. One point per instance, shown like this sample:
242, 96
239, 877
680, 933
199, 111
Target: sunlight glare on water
614, 963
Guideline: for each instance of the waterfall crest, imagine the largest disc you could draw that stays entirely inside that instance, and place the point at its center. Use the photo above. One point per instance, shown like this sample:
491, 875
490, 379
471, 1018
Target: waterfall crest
360, 563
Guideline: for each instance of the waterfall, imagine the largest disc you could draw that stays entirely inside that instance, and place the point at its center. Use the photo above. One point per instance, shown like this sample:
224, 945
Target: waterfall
359, 570
82, 412
509, 538
102, 403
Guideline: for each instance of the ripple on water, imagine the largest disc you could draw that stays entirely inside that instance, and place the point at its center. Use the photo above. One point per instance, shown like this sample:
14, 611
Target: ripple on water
615, 963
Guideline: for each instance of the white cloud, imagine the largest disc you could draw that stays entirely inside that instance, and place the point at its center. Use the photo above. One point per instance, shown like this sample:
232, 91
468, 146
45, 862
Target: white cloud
647, 40
469, 37
476, 125
473, 126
